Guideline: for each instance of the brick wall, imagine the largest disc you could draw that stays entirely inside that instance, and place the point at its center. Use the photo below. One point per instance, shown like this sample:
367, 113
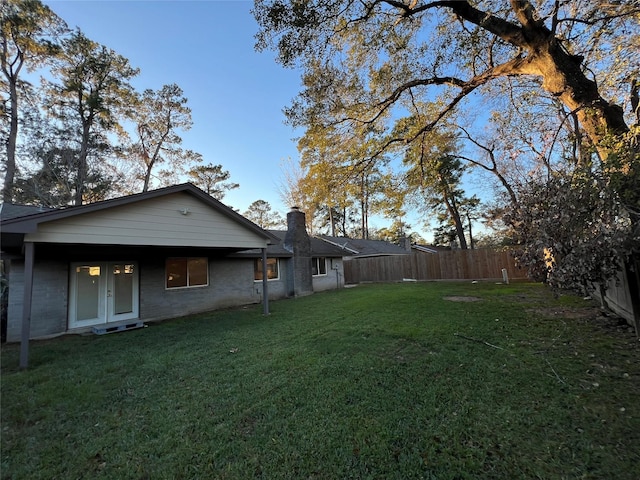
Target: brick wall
50, 299
230, 284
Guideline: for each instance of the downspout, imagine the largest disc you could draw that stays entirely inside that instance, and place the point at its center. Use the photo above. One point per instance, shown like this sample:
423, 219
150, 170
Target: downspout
26, 304
265, 281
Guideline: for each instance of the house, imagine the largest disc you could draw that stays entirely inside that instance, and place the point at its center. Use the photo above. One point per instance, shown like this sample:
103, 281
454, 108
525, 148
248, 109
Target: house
360, 248
326, 262
379, 261
146, 257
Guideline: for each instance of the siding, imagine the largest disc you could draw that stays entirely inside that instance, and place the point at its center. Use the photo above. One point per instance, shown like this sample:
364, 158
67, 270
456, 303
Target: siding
157, 221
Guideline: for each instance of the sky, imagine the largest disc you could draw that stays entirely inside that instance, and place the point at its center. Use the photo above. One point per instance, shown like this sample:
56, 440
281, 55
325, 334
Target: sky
235, 93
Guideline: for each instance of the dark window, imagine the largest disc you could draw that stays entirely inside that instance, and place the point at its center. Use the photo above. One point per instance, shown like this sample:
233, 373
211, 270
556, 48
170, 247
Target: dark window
187, 272
318, 266
272, 269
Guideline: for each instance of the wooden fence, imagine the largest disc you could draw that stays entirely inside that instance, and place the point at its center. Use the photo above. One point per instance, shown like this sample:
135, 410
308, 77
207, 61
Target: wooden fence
444, 265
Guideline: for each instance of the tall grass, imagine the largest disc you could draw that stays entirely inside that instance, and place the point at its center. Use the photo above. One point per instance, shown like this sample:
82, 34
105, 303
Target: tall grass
380, 381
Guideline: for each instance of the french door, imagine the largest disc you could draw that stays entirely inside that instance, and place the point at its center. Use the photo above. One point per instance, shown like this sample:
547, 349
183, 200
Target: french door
102, 292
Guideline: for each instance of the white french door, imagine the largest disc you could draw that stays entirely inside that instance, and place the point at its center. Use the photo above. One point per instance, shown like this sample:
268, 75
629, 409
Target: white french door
102, 292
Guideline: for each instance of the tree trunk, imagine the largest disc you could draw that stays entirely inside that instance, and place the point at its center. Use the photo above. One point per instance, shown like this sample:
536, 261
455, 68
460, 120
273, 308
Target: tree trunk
147, 178
332, 221
82, 163
561, 72
455, 216
563, 77
10, 169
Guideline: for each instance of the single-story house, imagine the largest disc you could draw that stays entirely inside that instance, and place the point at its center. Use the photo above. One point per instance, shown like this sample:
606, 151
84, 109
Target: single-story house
360, 248
149, 256
326, 263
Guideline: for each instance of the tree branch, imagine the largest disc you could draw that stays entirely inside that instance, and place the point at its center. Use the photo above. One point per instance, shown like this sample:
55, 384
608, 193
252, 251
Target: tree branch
526, 14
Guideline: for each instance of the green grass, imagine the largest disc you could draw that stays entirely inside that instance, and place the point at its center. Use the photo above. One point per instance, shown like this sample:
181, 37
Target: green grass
378, 381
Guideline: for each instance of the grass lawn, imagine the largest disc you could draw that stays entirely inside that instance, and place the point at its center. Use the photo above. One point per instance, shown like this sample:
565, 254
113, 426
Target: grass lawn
394, 381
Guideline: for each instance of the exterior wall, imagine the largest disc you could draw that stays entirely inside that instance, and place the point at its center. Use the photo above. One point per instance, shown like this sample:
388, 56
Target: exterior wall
230, 284
277, 288
333, 279
49, 302
158, 221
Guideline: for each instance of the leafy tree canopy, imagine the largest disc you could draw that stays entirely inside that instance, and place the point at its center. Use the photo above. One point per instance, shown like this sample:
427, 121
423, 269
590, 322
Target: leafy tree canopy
367, 64
213, 179
261, 213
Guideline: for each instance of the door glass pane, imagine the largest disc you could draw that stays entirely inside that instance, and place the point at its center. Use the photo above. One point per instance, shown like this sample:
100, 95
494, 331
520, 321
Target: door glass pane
122, 288
88, 292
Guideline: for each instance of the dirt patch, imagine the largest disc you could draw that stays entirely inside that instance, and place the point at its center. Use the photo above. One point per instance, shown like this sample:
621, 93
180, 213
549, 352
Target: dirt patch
462, 299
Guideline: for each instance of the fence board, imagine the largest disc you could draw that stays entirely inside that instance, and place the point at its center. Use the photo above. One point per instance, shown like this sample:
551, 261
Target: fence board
444, 265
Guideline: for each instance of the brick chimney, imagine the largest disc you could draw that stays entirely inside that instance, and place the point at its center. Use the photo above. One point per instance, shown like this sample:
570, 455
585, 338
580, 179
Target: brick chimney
297, 241
405, 242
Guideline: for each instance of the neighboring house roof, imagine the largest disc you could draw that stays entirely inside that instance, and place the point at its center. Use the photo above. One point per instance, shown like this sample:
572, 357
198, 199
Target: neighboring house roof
425, 248
356, 247
64, 224
9, 211
319, 248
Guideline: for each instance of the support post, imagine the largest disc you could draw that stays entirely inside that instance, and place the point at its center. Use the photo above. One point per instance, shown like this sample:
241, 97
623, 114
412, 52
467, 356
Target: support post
26, 304
265, 282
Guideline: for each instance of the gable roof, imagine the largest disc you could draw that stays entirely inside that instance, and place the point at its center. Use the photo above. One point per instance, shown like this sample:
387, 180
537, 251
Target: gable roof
357, 247
179, 216
25, 219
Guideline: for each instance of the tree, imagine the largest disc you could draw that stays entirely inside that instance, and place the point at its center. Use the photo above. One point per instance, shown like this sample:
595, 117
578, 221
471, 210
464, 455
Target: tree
395, 232
93, 93
442, 190
212, 179
53, 183
290, 186
29, 32
573, 230
365, 62
373, 65
325, 187
260, 213
158, 116
292, 193
436, 172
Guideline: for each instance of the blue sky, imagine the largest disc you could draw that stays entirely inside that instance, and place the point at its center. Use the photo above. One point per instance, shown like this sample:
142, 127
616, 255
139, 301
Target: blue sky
235, 93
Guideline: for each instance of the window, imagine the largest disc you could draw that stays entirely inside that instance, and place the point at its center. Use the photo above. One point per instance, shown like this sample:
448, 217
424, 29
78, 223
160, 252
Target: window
272, 269
318, 266
187, 272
